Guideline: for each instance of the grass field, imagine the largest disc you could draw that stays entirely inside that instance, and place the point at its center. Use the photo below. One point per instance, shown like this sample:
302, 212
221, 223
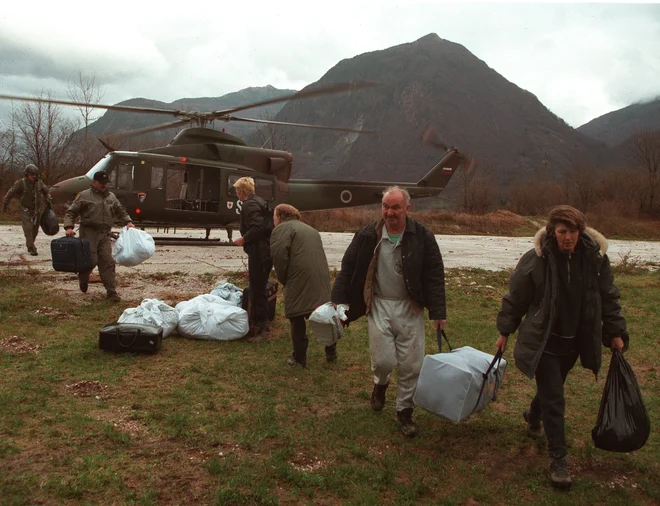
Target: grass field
228, 423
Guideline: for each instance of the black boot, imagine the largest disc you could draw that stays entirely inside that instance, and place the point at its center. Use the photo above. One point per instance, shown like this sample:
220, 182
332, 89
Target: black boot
559, 473
378, 397
405, 421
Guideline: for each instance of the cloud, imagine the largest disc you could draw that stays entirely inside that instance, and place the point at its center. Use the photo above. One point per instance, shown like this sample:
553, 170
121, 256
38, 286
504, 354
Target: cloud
580, 60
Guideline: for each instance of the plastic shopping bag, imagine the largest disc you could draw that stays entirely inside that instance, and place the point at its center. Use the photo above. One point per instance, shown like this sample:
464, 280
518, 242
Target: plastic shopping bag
326, 323
152, 312
133, 247
623, 424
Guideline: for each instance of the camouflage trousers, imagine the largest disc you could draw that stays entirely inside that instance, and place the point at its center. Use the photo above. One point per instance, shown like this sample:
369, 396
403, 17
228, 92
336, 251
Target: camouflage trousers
30, 226
101, 246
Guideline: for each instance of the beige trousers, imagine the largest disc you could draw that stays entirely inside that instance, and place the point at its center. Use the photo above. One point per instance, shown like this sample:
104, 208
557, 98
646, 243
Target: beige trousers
396, 339
101, 245
30, 228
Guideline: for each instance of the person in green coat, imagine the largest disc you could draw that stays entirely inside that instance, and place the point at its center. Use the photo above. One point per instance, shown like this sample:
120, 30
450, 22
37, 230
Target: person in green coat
302, 268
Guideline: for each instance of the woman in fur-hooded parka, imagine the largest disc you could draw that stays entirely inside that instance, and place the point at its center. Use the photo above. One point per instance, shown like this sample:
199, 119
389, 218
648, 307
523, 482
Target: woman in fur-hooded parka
533, 295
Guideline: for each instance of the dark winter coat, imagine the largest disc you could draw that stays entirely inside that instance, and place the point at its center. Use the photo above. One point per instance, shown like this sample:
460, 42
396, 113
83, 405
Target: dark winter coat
533, 295
423, 270
301, 267
257, 239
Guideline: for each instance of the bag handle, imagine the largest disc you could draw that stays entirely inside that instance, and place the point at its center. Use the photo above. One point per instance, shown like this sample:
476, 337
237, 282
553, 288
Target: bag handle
135, 336
440, 334
497, 358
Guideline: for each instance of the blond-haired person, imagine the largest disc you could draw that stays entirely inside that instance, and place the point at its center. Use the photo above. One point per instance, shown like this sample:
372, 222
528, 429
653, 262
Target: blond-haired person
255, 239
302, 268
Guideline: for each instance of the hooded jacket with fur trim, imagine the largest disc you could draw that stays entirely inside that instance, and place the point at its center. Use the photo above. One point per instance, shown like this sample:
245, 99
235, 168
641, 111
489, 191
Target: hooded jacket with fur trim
533, 295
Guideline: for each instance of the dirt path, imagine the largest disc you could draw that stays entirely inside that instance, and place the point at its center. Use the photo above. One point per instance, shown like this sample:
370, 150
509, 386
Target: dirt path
191, 262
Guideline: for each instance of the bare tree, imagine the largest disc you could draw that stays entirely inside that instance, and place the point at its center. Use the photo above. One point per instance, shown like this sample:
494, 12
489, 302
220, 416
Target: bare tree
272, 136
44, 136
645, 150
84, 88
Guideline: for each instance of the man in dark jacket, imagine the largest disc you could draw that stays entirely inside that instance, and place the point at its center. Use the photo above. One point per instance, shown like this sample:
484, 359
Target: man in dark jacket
29, 190
564, 289
391, 271
255, 239
302, 268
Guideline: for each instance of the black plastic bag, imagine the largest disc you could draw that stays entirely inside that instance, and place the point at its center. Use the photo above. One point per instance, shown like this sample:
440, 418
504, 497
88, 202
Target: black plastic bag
623, 424
48, 222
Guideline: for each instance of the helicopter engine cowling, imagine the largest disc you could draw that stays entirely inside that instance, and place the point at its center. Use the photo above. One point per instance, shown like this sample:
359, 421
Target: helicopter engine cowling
280, 168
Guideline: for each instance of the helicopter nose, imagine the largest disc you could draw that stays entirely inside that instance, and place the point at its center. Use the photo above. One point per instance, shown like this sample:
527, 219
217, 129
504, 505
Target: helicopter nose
67, 190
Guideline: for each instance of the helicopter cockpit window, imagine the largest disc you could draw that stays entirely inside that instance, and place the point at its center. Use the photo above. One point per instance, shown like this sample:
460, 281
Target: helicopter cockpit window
125, 176
157, 174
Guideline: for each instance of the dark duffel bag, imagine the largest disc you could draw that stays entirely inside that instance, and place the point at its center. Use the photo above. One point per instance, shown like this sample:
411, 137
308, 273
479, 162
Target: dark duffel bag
48, 222
71, 254
271, 293
131, 337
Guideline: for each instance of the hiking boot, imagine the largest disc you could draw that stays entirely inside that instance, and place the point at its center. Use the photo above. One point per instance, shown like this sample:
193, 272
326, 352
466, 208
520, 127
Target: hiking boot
405, 421
258, 335
378, 397
83, 284
113, 296
559, 473
292, 362
533, 429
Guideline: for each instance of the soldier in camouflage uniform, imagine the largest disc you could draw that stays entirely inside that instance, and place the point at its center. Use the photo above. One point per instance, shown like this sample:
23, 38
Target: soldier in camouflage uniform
98, 209
29, 191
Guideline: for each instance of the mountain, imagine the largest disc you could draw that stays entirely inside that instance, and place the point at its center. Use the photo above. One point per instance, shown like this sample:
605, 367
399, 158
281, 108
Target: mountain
510, 132
615, 127
113, 121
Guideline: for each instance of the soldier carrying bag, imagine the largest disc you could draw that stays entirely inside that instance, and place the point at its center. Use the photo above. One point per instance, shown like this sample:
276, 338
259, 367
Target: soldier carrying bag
130, 337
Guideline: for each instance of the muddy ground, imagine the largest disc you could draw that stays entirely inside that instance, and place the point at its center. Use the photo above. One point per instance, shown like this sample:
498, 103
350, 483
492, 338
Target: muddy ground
196, 267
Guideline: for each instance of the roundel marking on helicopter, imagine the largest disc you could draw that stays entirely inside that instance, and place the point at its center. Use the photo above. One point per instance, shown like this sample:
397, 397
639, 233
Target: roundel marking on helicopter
346, 196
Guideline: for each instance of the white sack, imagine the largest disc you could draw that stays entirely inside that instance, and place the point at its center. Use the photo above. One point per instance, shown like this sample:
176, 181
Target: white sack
449, 383
210, 320
205, 297
133, 247
152, 312
230, 293
326, 323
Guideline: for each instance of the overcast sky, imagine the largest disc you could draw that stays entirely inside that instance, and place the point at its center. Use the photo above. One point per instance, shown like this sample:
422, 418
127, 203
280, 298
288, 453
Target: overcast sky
580, 60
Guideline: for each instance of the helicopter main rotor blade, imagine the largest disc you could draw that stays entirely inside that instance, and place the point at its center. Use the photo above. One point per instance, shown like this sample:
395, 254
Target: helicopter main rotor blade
322, 90
305, 125
125, 108
156, 128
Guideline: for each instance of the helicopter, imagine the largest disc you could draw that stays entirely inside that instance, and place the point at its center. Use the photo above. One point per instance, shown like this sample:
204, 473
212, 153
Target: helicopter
189, 182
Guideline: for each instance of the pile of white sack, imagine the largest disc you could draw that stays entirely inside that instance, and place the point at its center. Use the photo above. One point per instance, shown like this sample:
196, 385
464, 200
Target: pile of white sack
206, 316
211, 317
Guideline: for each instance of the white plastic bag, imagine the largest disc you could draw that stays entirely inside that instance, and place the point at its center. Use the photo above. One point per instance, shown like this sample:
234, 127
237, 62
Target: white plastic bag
230, 293
133, 247
205, 297
152, 312
326, 323
210, 320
